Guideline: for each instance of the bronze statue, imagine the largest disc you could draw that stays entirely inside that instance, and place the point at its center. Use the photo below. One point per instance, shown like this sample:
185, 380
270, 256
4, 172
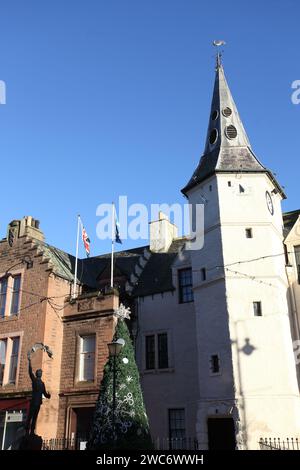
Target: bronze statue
38, 390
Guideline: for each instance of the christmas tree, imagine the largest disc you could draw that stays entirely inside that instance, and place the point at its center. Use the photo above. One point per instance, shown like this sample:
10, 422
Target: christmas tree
122, 424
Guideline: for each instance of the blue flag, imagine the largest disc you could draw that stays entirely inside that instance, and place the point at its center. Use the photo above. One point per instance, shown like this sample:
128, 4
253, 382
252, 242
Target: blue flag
117, 234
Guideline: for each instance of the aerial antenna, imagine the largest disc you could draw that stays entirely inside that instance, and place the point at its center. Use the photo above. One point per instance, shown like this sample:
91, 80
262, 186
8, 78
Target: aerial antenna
218, 43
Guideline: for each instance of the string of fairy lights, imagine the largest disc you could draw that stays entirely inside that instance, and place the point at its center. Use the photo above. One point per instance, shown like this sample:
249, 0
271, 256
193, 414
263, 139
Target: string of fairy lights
57, 307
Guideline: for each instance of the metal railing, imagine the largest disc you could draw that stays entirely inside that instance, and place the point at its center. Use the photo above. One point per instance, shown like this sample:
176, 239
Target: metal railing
186, 443
64, 444
279, 444
158, 444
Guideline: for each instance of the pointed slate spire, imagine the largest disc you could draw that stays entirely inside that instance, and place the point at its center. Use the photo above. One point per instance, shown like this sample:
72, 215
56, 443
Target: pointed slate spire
227, 147
225, 128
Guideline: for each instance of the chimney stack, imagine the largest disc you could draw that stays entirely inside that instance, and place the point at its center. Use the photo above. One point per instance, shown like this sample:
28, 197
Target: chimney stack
26, 227
162, 234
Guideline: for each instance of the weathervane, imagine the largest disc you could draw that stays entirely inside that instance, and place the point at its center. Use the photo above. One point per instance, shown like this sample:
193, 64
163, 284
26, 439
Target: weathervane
218, 43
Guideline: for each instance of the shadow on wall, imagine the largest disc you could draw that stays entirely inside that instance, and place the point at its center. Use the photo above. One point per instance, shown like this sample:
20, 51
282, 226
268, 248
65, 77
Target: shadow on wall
247, 349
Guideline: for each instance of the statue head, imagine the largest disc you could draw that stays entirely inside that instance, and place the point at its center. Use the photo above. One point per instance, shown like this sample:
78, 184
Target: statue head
39, 373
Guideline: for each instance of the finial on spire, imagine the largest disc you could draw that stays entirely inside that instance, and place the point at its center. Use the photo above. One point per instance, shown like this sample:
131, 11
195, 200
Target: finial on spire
218, 43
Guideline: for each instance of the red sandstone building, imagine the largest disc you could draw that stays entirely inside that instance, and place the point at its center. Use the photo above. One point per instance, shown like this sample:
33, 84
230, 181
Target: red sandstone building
155, 281
35, 307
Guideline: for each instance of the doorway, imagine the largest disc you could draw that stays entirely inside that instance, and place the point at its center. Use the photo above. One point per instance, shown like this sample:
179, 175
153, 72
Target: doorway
81, 420
221, 434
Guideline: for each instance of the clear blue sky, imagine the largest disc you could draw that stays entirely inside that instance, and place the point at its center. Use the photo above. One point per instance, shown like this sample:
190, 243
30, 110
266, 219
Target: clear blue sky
109, 98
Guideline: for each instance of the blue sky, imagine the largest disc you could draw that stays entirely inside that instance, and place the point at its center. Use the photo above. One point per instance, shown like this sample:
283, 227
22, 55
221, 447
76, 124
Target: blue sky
109, 98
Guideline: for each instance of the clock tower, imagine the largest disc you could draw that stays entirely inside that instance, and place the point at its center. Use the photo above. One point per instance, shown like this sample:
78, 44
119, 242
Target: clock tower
247, 374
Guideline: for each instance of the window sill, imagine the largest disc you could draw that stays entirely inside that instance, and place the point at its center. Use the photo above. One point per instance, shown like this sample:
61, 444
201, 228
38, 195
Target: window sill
10, 318
157, 371
85, 383
7, 387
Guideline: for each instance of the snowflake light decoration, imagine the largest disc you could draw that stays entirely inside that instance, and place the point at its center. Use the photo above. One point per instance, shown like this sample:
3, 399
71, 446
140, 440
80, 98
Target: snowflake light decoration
123, 312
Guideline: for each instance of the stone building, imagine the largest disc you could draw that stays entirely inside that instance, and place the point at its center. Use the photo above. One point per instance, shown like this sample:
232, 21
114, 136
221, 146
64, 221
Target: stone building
243, 325
35, 286
214, 328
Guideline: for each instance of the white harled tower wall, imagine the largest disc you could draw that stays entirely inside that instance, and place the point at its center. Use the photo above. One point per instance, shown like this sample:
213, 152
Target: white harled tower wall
257, 384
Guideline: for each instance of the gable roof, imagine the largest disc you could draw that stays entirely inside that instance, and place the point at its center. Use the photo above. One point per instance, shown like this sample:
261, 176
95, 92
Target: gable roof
289, 220
155, 277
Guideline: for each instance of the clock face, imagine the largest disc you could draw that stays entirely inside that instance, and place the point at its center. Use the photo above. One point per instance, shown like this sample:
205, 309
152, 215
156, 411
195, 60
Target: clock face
269, 203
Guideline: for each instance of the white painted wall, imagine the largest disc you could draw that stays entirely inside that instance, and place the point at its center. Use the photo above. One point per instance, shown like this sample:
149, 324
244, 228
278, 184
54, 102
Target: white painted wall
258, 372
292, 240
176, 387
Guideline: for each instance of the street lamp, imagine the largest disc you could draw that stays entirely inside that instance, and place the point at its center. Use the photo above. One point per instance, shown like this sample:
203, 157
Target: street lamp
114, 349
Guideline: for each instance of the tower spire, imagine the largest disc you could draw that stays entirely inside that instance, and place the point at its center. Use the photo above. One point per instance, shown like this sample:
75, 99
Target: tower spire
227, 146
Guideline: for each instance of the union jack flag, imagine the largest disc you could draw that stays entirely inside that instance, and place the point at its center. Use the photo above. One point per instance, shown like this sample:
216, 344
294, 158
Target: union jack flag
86, 241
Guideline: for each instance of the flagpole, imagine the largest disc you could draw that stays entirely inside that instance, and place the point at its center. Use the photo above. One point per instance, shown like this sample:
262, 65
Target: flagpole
76, 260
112, 246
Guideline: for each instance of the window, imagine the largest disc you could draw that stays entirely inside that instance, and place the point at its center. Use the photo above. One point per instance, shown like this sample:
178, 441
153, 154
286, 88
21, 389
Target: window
230, 132
177, 428
10, 295
9, 359
162, 340
213, 136
150, 352
14, 360
3, 292
215, 115
229, 184
286, 255
215, 364
203, 274
3, 343
248, 232
257, 309
185, 285
87, 358
297, 256
157, 353
14, 308
226, 112
241, 189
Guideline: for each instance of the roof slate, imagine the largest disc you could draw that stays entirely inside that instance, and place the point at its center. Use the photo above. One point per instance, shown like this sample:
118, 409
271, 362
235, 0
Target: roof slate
155, 277
226, 154
289, 220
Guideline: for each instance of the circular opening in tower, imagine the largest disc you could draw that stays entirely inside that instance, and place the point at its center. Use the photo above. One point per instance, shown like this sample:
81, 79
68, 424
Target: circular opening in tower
227, 112
215, 115
213, 136
231, 132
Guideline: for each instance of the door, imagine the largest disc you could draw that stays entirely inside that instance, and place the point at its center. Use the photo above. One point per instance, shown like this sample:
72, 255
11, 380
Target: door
81, 420
221, 434
84, 417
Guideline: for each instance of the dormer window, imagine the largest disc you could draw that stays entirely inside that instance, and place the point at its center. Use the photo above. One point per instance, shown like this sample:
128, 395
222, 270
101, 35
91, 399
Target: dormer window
227, 112
230, 132
215, 115
213, 136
